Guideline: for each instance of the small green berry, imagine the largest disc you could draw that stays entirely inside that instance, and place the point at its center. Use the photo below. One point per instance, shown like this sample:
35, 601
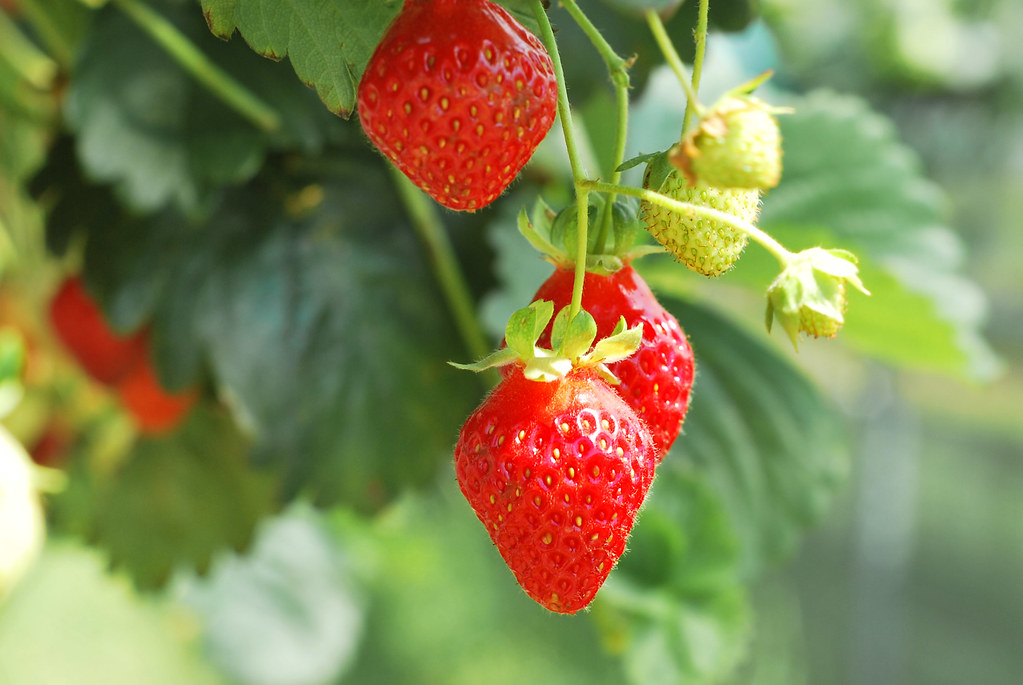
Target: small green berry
737, 144
707, 246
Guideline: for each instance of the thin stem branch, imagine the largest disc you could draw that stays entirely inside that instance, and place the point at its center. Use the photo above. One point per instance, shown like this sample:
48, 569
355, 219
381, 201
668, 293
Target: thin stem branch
582, 196
618, 69
671, 56
564, 109
200, 67
30, 62
428, 226
783, 255
701, 48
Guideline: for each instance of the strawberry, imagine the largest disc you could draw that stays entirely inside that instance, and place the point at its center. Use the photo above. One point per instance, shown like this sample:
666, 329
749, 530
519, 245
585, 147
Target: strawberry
104, 354
737, 144
457, 95
809, 295
657, 379
706, 245
154, 409
556, 471
22, 526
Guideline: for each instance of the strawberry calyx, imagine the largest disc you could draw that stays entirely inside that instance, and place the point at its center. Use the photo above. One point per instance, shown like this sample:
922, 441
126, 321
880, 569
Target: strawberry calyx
809, 295
573, 344
556, 234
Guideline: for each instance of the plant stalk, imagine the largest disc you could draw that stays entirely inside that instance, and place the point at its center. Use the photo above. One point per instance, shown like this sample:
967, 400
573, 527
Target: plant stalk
200, 67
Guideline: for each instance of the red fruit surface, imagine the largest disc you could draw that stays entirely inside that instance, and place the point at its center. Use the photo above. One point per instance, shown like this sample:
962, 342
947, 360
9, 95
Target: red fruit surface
655, 381
154, 409
458, 94
104, 354
556, 472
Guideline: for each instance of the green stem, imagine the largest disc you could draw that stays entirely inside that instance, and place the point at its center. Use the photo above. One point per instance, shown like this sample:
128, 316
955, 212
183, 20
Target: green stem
618, 69
671, 56
29, 61
565, 113
452, 281
701, 48
40, 17
779, 251
200, 67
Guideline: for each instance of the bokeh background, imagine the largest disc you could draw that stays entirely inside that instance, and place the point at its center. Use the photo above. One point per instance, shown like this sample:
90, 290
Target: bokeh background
914, 578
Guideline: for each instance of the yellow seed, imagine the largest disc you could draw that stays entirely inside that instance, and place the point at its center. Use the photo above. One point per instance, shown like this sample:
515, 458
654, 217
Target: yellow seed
579, 521
444, 103
547, 539
493, 500
571, 472
556, 454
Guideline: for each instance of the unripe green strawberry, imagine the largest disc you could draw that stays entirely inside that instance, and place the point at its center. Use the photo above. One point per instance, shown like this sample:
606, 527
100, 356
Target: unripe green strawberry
737, 144
706, 245
22, 528
809, 295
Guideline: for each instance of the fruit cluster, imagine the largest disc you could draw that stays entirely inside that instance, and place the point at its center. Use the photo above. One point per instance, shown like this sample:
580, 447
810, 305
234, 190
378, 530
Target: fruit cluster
558, 460
115, 360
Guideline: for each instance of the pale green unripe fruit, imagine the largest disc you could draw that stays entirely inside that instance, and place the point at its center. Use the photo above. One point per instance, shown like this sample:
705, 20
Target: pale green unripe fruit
22, 527
707, 246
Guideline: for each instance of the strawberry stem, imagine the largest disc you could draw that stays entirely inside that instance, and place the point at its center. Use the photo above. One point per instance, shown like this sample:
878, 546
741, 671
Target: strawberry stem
428, 225
671, 56
701, 48
779, 251
200, 67
565, 114
618, 69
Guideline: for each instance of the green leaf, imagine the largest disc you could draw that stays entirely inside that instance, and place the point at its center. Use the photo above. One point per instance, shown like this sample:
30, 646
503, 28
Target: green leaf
772, 447
106, 634
179, 500
676, 599
144, 124
324, 332
328, 43
290, 611
848, 182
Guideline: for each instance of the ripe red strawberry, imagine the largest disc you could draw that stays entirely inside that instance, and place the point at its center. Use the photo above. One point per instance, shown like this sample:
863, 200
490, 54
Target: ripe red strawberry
458, 94
104, 354
154, 409
656, 380
556, 472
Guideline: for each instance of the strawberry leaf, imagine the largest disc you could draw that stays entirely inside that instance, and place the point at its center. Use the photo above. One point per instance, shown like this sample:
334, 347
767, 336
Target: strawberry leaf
849, 182
318, 328
770, 444
179, 500
144, 124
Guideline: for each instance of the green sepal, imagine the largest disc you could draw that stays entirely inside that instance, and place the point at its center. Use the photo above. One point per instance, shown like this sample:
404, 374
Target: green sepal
644, 158
657, 171
556, 234
571, 338
526, 326
621, 344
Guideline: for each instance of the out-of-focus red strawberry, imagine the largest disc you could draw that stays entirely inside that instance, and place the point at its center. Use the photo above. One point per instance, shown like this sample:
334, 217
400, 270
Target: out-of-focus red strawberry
154, 409
105, 355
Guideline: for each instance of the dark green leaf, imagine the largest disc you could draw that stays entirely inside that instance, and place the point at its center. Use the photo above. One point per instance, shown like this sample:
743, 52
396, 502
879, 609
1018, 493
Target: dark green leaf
180, 499
144, 124
676, 598
325, 332
771, 446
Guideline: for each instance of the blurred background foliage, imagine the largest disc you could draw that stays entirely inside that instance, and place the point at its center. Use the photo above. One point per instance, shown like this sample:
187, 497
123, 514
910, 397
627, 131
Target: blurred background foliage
261, 269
